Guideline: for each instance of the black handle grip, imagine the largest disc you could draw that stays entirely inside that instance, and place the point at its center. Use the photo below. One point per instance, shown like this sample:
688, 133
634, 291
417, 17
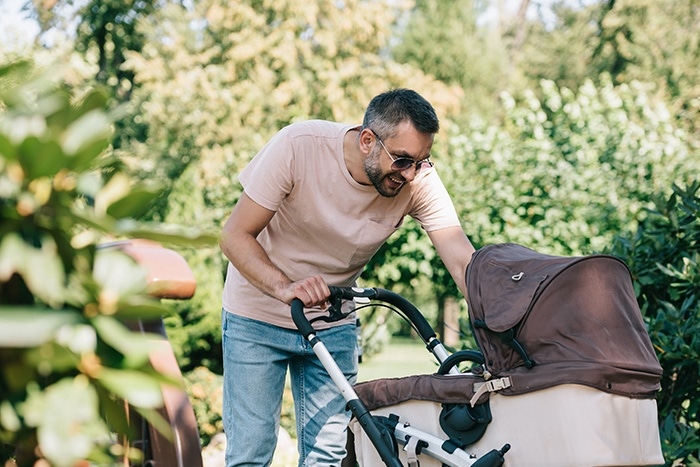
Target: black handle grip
348, 293
299, 318
424, 328
337, 295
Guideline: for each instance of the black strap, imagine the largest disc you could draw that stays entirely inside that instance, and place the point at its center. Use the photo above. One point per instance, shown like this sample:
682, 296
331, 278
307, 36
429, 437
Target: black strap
508, 338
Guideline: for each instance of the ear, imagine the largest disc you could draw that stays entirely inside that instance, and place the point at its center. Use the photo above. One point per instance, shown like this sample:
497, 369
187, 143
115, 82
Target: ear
367, 140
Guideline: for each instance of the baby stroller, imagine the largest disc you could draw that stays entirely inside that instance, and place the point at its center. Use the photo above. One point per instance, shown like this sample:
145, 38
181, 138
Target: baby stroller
565, 373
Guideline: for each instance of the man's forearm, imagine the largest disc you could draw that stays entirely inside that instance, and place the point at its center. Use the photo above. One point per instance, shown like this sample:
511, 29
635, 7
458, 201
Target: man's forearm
251, 260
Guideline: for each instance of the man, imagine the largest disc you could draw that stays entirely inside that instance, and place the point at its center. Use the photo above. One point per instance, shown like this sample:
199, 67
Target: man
319, 200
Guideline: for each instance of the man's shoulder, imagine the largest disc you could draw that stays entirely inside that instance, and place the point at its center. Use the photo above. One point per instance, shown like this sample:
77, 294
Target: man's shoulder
316, 128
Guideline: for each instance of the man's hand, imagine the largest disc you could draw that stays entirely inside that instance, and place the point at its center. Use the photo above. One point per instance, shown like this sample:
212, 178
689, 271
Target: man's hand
313, 291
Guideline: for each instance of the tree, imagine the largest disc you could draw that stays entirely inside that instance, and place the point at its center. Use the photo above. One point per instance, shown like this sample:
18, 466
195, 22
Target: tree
653, 42
562, 48
214, 94
568, 171
445, 40
104, 30
656, 42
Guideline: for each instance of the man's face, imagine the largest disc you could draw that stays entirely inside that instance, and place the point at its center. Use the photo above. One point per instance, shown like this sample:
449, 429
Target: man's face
387, 184
407, 143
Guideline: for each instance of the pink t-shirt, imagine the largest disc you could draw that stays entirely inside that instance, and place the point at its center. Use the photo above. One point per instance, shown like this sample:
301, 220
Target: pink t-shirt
325, 222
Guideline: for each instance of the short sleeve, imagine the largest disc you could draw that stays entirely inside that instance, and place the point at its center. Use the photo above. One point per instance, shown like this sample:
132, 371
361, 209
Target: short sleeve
269, 177
432, 206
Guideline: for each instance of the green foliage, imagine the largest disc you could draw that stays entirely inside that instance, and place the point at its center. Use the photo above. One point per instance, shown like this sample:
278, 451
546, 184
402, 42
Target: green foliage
107, 30
664, 257
401, 263
68, 360
655, 41
205, 391
563, 49
650, 41
195, 329
563, 174
211, 96
409, 265
444, 39
567, 172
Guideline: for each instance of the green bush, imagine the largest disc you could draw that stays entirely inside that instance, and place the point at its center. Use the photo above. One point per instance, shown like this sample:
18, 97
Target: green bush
205, 390
567, 170
664, 256
68, 360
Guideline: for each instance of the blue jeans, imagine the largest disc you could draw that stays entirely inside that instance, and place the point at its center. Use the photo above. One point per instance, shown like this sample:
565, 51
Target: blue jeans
256, 358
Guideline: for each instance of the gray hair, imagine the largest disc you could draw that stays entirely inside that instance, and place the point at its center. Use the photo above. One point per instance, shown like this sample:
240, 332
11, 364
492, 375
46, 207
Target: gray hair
387, 110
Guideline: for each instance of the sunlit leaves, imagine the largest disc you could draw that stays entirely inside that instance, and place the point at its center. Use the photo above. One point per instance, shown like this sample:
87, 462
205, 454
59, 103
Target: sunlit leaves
26, 327
569, 171
134, 348
66, 354
134, 386
228, 75
66, 417
40, 266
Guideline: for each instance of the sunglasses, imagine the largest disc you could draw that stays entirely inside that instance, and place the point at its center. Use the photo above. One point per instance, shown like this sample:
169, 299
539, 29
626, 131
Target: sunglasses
399, 164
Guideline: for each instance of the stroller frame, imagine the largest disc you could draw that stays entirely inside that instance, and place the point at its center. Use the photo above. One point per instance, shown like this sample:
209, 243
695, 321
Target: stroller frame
385, 433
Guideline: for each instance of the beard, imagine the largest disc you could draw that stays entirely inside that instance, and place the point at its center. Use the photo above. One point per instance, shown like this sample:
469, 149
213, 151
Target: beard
379, 180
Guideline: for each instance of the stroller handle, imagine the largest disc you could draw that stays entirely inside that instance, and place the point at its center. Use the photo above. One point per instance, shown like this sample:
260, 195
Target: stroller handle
409, 311
300, 320
424, 329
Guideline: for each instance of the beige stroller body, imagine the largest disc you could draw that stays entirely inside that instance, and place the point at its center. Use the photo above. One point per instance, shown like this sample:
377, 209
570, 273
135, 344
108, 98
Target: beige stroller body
550, 427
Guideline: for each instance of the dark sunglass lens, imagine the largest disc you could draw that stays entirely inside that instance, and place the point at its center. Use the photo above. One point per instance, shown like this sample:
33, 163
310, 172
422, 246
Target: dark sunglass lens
402, 163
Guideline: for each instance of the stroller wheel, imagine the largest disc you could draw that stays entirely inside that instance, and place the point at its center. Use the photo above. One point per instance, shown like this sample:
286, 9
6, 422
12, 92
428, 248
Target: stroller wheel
460, 357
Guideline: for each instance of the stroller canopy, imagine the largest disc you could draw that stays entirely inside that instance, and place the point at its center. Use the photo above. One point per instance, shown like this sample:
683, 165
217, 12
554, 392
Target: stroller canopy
548, 320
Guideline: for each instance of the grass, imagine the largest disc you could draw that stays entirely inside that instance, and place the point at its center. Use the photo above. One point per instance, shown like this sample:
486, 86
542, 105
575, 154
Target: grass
402, 357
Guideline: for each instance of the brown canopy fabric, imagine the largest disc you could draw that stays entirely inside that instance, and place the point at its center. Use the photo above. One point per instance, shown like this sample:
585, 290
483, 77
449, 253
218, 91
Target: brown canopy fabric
443, 389
576, 318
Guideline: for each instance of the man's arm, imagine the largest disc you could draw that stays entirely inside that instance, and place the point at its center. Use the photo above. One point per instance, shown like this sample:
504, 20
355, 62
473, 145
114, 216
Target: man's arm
240, 245
456, 251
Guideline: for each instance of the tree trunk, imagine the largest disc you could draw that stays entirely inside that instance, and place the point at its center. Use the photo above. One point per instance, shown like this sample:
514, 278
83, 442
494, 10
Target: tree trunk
520, 27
